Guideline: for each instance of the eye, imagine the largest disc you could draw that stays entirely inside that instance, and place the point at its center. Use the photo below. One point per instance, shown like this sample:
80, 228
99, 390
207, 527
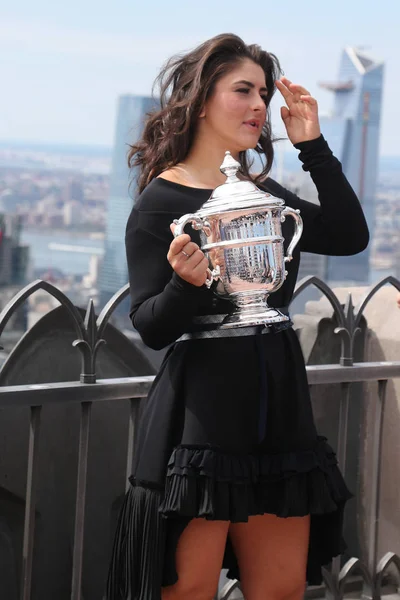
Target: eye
243, 90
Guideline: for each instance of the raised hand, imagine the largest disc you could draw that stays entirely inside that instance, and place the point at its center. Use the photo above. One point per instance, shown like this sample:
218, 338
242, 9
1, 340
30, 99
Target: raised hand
300, 116
187, 260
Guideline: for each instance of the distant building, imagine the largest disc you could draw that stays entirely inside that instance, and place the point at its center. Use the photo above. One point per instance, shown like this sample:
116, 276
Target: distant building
73, 191
72, 213
352, 132
132, 111
13, 255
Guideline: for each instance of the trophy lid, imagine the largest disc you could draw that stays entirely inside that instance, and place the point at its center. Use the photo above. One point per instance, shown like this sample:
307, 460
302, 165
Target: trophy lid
236, 194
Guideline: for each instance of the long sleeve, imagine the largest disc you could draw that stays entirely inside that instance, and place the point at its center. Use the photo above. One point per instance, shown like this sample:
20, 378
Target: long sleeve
336, 227
162, 304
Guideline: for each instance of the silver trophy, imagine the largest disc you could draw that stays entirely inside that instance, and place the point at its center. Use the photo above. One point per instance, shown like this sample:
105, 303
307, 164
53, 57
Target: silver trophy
241, 235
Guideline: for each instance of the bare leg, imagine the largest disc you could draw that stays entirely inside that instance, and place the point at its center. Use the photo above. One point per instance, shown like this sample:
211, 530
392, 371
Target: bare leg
272, 556
199, 557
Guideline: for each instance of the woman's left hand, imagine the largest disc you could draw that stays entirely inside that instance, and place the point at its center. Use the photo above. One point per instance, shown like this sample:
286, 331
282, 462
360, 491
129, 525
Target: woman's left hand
300, 116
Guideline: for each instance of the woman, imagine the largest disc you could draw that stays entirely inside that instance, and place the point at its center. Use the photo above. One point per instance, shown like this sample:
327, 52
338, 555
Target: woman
229, 470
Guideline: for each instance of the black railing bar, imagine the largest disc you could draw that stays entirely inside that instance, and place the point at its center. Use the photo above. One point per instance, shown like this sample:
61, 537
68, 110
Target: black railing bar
341, 451
74, 391
227, 591
376, 468
138, 387
30, 503
80, 502
343, 426
133, 414
371, 371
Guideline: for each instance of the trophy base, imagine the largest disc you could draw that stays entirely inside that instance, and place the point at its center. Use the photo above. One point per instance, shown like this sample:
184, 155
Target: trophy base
253, 314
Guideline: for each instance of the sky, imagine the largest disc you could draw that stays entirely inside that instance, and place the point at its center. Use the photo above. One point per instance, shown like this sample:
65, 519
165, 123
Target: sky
64, 64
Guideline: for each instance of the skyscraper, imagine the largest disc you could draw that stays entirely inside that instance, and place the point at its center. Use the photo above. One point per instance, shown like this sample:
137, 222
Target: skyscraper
14, 256
353, 134
131, 114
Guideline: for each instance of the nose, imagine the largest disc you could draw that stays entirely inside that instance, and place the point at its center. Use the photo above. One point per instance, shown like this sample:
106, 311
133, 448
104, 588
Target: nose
258, 103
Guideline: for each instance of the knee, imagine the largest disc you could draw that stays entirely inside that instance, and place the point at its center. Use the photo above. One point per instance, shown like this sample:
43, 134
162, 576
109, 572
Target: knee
293, 589
297, 593
287, 586
186, 591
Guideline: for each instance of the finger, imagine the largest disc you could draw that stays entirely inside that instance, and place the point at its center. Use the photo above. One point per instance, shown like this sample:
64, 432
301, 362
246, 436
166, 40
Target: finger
187, 263
284, 112
192, 269
282, 86
172, 227
189, 249
298, 89
179, 243
286, 93
201, 268
309, 99
286, 81
195, 259
294, 88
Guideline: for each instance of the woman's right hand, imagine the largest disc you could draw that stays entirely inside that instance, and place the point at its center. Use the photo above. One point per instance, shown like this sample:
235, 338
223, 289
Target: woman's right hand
187, 260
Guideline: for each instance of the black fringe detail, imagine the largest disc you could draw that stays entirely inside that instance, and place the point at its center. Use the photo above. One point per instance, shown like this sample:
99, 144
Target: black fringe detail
136, 566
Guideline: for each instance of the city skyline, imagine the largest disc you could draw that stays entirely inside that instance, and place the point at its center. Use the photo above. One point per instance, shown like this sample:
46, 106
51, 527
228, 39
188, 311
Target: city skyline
67, 65
353, 131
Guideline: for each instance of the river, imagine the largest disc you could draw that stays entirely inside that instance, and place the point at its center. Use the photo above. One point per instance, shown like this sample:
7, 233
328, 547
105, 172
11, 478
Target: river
68, 252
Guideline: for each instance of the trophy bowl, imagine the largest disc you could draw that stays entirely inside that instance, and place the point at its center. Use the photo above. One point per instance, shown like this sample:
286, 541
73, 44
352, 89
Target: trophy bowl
241, 234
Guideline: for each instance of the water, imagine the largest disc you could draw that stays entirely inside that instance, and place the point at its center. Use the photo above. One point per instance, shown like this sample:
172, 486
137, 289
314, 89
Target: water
67, 252
53, 251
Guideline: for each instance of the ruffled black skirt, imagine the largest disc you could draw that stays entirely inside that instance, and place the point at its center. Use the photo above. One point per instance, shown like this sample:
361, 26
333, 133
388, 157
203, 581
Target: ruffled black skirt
205, 482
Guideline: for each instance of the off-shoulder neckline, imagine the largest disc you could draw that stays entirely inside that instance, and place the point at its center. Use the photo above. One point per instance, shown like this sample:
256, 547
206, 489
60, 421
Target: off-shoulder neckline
182, 186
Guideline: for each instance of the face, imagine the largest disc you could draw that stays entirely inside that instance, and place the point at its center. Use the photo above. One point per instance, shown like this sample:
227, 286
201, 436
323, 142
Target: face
235, 113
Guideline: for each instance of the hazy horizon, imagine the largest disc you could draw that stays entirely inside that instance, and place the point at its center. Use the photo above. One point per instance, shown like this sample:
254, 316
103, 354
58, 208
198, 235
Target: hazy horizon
108, 149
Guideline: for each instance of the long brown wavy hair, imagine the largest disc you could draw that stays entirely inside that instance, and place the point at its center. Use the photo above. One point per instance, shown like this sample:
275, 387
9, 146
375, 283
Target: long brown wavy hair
185, 83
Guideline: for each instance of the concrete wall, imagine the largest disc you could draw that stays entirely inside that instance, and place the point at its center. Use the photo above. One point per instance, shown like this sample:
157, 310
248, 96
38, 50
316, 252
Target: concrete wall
379, 341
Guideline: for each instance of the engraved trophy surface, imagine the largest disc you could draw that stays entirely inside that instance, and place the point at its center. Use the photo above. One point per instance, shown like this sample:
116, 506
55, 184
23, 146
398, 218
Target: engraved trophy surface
241, 234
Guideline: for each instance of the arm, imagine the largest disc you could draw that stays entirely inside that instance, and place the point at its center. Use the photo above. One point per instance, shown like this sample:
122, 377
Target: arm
337, 227
162, 304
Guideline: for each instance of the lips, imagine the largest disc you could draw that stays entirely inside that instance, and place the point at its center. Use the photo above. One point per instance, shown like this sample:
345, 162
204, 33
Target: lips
253, 124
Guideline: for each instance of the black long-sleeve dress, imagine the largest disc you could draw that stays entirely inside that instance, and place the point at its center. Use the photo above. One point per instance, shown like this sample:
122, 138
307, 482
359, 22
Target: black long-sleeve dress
228, 430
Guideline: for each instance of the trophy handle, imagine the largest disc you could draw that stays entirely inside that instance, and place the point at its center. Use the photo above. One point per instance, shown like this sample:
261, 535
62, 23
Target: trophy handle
181, 223
298, 229
199, 225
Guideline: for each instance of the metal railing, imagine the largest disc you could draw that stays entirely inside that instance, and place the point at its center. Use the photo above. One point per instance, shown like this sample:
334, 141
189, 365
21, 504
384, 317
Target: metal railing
89, 391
